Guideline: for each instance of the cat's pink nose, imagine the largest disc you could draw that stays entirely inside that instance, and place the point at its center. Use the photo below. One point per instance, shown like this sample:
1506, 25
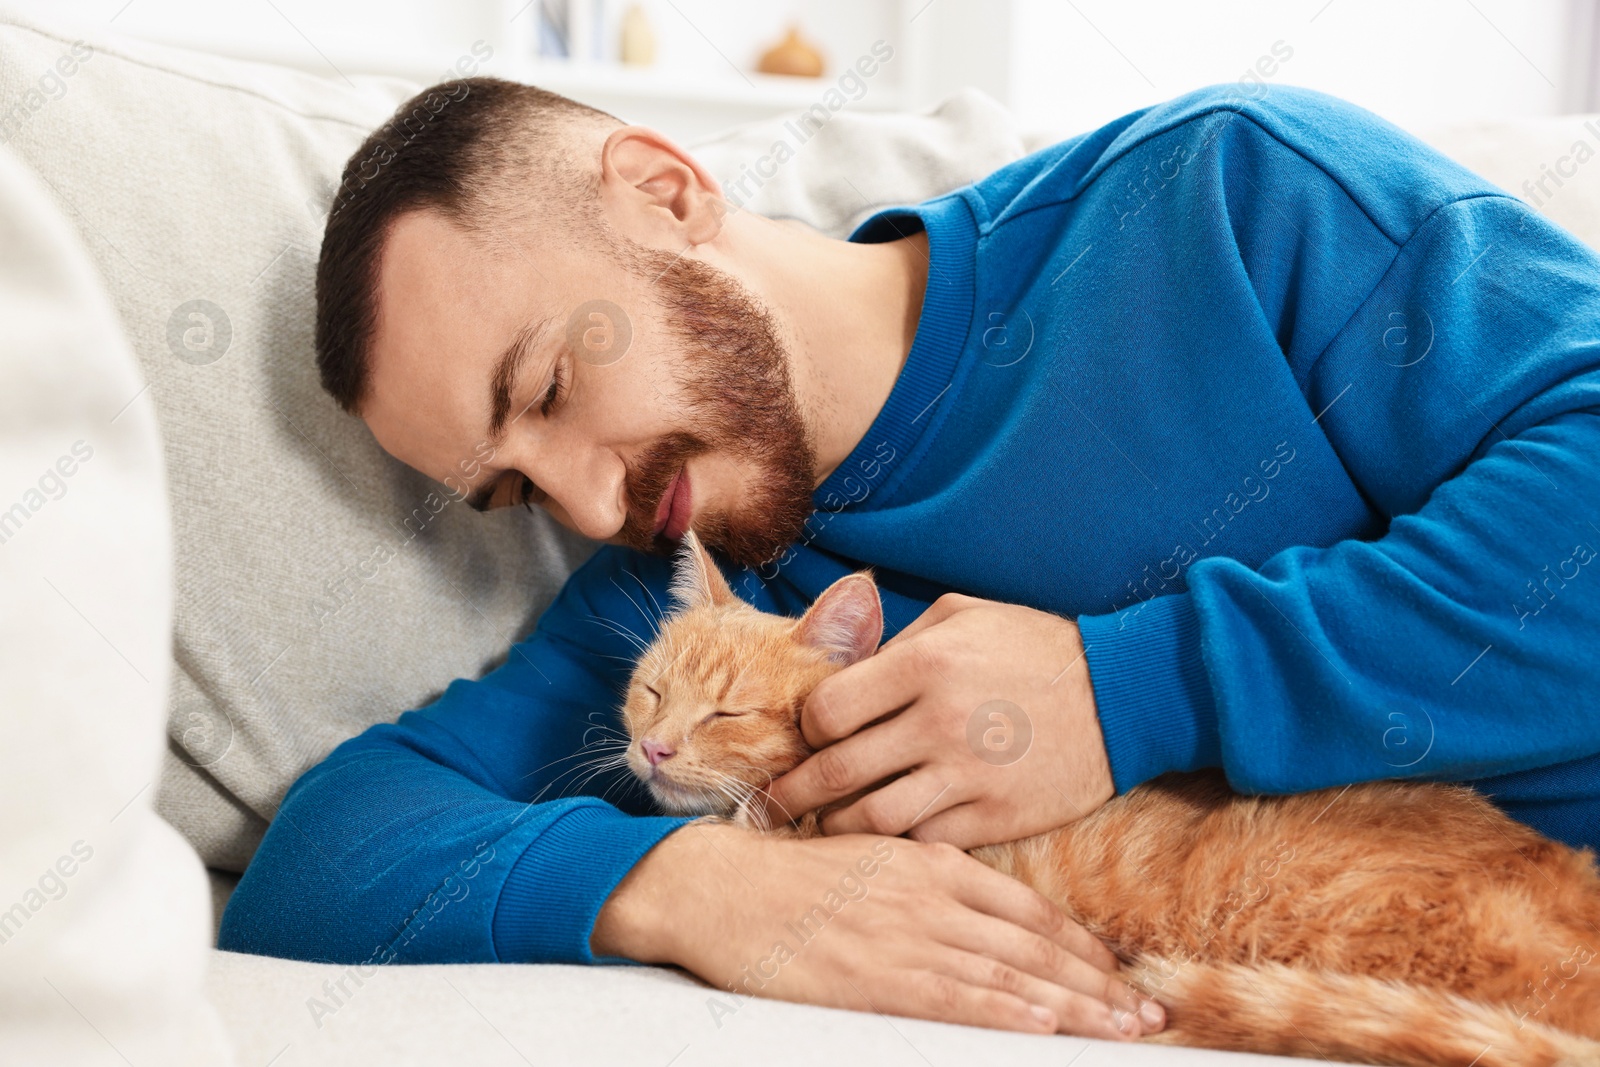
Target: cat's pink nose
655, 751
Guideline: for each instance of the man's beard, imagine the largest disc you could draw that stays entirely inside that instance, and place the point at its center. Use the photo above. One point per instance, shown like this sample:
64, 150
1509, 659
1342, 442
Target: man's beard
741, 403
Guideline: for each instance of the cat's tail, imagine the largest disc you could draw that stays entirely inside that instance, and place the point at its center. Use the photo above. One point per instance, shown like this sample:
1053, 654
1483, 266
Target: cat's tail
1289, 1011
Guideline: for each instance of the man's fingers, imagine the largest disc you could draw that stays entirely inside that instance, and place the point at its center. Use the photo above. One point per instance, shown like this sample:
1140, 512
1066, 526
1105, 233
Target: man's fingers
1043, 958
841, 770
1076, 1013
928, 994
961, 825
843, 703
894, 808
940, 610
992, 893
1093, 965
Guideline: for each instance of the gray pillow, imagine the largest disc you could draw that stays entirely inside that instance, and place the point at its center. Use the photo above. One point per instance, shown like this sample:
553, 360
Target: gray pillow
322, 586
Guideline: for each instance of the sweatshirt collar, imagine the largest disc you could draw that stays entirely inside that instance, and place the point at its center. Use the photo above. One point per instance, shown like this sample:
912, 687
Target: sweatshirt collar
884, 454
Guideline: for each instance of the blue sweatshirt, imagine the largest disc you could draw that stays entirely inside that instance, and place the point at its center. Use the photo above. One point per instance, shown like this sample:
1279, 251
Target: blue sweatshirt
1298, 418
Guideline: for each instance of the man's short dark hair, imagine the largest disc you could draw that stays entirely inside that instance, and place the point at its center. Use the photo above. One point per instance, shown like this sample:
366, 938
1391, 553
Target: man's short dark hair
463, 148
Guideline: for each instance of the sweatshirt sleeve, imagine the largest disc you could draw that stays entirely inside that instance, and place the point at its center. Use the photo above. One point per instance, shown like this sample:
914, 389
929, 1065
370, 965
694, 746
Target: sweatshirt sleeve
474, 829
1463, 398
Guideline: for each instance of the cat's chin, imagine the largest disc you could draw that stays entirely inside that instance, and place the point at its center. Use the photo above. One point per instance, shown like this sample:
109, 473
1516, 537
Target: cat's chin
681, 800
676, 799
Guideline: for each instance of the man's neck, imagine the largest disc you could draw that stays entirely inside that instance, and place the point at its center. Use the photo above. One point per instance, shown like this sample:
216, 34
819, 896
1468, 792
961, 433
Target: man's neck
849, 311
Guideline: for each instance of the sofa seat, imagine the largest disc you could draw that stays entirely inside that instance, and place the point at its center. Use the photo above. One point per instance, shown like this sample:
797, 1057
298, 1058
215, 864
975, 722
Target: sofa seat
284, 1013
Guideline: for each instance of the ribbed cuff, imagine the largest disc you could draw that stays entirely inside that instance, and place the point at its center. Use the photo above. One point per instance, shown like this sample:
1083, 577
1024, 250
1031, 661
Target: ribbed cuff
553, 894
1155, 702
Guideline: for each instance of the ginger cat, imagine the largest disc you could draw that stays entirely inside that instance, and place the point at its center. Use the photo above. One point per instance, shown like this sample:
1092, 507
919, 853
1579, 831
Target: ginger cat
1396, 923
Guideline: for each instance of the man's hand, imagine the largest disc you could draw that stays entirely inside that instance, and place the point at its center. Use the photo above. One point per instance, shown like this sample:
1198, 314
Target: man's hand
987, 716
869, 923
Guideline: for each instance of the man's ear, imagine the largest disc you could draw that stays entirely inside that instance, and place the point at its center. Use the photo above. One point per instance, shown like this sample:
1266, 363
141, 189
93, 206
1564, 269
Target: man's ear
846, 621
654, 191
697, 582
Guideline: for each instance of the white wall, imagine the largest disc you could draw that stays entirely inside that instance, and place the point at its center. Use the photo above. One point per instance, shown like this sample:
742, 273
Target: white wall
1417, 62
303, 28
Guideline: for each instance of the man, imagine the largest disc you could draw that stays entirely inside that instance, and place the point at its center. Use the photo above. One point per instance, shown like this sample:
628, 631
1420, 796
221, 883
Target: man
1239, 434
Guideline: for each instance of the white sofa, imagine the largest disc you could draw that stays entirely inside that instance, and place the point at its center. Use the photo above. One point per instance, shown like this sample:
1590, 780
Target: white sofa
284, 584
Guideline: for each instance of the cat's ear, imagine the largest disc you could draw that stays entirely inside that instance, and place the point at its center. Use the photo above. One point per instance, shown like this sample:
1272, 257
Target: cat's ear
697, 582
846, 621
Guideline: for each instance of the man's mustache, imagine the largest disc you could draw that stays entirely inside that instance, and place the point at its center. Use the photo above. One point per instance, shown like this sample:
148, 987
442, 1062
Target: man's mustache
648, 480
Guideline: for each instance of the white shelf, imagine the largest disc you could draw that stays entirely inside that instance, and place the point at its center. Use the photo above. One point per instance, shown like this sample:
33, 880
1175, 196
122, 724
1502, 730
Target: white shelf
612, 82
725, 89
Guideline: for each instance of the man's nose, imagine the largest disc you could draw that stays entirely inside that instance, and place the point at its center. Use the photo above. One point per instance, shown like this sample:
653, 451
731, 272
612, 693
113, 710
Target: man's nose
656, 751
587, 486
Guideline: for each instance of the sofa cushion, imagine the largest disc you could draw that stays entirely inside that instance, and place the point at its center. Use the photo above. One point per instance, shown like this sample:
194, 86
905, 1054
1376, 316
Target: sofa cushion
321, 586
831, 175
1549, 162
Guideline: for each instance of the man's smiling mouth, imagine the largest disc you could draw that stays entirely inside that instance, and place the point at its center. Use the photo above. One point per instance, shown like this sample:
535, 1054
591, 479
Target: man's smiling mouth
675, 510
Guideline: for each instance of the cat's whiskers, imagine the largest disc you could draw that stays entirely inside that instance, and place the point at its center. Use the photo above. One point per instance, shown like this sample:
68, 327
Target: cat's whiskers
655, 626
738, 792
587, 752
621, 631
617, 736
626, 782
727, 788
660, 612
595, 764
598, 767
759, 815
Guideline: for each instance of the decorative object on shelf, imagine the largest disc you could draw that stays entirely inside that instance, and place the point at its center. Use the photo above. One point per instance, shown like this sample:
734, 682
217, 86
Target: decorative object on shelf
638, 46
793, 56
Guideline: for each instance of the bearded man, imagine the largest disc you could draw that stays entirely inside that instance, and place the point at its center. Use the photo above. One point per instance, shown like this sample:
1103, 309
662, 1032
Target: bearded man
1291, 446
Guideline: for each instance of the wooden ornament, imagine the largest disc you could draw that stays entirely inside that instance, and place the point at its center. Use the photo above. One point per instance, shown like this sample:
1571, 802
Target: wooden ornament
793, 56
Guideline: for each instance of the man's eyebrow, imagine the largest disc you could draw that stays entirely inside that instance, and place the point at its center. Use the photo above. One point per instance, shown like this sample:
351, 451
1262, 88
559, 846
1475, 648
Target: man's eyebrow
505, 375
